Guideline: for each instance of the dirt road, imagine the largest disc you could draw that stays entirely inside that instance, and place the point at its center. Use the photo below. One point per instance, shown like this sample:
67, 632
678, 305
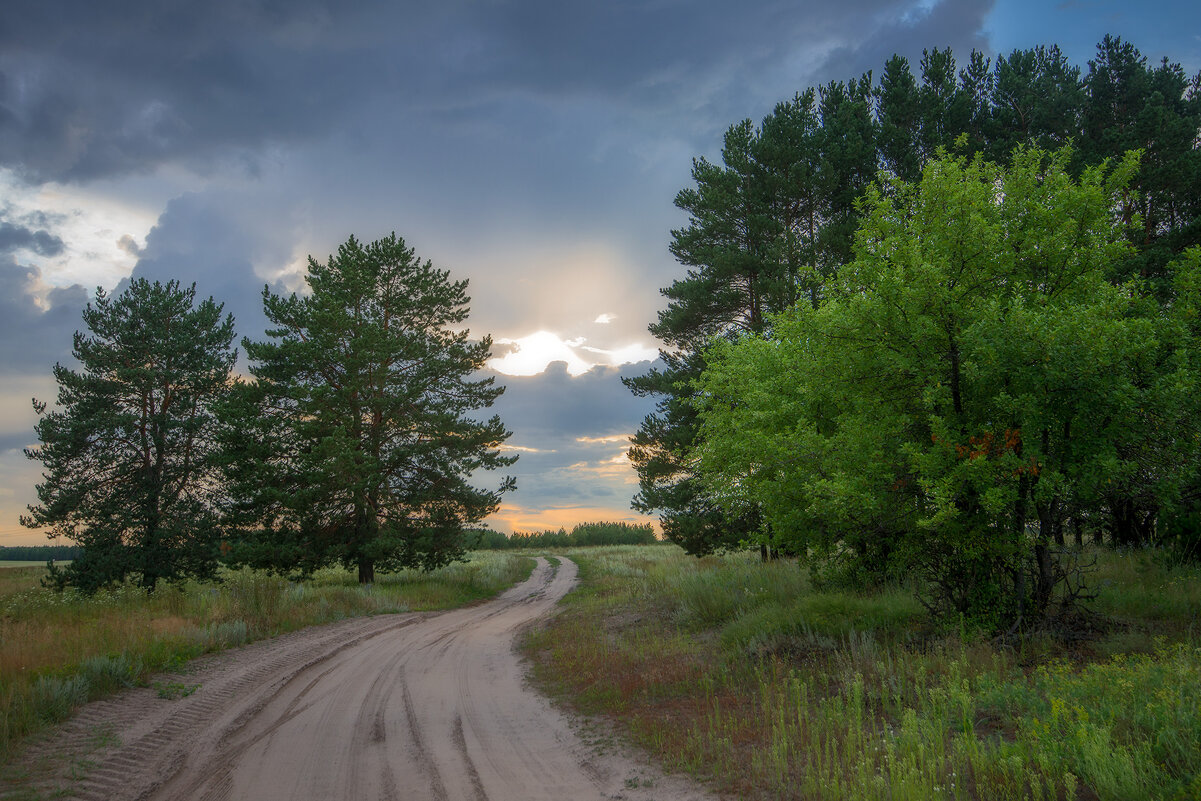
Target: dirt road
391, 707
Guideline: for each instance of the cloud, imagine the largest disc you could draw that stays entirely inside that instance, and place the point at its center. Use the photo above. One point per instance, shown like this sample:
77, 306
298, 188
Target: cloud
91, 90
36, 321
534, 353
129, 245
604, 440
573, 433
605, 319
17, 237
209, 239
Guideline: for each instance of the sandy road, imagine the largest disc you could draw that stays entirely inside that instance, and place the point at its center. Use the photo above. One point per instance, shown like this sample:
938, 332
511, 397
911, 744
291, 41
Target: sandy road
408, 707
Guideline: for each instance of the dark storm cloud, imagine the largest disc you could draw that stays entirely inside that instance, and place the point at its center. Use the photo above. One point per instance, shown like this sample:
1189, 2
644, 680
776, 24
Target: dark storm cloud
89, 89
92, 89
201, 239
957, 25
35, 333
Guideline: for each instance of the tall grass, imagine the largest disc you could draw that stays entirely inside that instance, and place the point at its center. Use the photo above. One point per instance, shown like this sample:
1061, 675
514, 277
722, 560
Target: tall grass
744, 674
63, 649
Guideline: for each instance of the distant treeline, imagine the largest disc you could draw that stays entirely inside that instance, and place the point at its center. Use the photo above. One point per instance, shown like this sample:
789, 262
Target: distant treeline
582, 534
39, 553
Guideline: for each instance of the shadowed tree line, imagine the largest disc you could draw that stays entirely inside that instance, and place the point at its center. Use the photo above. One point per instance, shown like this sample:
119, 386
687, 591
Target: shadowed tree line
784, 225
352, 441
581, 535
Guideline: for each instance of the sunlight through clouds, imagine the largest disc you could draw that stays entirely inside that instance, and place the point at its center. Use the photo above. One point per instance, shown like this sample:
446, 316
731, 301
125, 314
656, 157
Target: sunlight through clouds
532, 354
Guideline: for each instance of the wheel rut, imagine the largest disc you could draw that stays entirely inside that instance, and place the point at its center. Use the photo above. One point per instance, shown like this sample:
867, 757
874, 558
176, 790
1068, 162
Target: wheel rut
414, 707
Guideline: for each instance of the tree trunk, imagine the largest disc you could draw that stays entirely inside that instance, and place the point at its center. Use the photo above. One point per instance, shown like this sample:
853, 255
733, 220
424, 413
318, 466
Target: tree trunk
366, 570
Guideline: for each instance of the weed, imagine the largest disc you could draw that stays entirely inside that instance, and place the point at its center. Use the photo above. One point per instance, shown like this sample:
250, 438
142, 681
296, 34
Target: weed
744, 674
174, 690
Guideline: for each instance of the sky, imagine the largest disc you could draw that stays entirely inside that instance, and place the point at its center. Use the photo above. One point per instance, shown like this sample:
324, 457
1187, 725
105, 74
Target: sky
533, 147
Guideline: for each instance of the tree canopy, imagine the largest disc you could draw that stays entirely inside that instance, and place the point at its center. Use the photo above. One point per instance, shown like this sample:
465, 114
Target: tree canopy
778, 217
129, 450
355, 443
972, 384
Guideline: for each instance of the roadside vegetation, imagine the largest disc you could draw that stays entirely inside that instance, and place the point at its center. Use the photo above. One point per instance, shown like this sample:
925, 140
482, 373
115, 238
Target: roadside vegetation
767, 685
64, 648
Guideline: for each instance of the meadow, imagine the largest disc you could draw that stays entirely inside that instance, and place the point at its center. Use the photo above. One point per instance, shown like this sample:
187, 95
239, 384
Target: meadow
746, 675
59, 650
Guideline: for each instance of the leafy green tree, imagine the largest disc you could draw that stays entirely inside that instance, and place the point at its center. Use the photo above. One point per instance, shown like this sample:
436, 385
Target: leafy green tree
356, 442
973, 383
129, 453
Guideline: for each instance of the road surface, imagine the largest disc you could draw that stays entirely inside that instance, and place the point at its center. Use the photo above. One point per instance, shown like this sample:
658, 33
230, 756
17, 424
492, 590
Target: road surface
405, 707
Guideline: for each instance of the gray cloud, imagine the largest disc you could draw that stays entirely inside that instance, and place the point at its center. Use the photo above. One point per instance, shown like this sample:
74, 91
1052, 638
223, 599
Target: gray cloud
550, 412
16, 237
35, 332
204, 239
957, 24
95, 89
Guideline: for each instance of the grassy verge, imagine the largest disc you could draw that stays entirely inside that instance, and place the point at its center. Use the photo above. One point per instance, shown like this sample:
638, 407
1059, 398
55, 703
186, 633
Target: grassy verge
62, 649
744, 675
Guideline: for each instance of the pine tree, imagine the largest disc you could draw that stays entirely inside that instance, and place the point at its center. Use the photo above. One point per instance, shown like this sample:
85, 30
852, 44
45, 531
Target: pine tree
356, 442
130, 474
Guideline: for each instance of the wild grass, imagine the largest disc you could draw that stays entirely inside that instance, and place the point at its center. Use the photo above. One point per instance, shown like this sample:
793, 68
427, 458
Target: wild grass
744, 674
58, 650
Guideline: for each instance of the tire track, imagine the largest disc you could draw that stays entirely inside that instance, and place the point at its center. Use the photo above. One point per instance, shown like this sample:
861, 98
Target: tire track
414, 707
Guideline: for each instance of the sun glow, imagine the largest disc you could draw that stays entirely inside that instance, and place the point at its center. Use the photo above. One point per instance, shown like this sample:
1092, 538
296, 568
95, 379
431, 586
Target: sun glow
532, 354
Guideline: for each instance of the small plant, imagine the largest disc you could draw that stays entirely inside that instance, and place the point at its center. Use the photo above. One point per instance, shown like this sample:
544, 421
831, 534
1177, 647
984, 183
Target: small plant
174, 690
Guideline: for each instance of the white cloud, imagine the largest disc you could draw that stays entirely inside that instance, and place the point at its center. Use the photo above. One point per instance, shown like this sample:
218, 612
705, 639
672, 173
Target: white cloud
605, 319
102, 235
532, 354
627, 354
604, 440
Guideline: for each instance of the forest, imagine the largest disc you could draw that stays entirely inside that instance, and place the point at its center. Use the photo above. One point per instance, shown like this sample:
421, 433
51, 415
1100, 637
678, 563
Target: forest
940, 325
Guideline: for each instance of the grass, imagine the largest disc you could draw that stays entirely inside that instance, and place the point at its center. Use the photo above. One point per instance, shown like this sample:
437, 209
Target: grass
60, 650
744, 675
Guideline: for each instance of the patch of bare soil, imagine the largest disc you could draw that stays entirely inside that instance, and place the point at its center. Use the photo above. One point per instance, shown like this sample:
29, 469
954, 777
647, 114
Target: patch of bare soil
407, 707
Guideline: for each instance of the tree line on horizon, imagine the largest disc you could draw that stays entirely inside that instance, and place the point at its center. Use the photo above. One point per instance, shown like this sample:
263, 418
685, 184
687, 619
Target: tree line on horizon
581, 535
932, 325
351, 442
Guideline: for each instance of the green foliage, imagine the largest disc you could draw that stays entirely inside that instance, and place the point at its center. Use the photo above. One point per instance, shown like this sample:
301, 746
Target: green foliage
582, 534
356, 441
972, 384
846, 696
779, 216
39, 553
128, 453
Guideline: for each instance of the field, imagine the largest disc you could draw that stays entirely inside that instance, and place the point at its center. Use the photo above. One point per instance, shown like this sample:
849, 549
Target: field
16, 563
60, 650
744, 674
